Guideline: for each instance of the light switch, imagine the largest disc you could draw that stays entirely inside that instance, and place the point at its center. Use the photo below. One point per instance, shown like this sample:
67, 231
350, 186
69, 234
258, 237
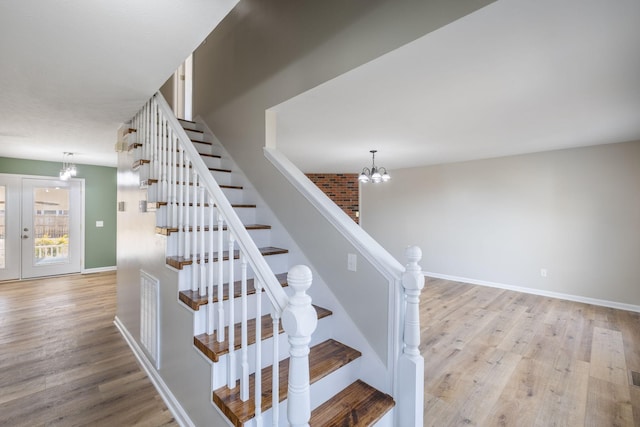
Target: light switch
351, 262
99, 224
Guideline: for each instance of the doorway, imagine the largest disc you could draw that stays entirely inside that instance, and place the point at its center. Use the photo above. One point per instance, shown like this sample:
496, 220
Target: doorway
40, 227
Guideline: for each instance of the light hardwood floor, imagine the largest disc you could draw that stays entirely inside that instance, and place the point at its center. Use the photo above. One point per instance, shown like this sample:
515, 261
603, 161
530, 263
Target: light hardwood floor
64, 363
501, 358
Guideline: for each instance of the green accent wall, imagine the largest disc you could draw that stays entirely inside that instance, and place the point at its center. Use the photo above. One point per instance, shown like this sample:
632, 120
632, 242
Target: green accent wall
100, 204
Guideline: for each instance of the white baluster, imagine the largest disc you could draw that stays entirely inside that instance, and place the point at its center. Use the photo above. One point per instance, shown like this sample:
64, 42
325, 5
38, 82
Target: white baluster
220, 279
159, 136
154, 144
174, 180
181, 203
231, 372
194, 234
170, 178
411, 364
202, 234
210, 316
164, 163
244, 379
185, 207
275, 379
258, 348
299, 320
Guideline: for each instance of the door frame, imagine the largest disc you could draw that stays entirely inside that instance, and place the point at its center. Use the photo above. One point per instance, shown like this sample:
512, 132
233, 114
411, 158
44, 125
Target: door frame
19, 178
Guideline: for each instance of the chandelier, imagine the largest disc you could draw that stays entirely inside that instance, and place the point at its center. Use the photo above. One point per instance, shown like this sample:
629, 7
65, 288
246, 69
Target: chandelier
374, 174
68, 167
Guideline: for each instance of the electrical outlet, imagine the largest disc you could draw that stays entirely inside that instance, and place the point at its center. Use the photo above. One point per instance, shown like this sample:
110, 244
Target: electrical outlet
352, 260
543, 272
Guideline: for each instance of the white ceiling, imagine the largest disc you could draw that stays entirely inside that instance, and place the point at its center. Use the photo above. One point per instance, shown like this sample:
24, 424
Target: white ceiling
72, 71
517, 76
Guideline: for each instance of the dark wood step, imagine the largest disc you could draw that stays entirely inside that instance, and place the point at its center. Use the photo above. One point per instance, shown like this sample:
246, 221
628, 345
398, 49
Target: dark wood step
138, 163
324, 359
358, 405
179, 262
166, 231
141, 162
206, 205
211, 348
150, 181
134, 145
194, 300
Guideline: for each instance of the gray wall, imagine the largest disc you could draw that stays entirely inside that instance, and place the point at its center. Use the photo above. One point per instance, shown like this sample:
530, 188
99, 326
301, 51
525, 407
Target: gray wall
268, 51
573, 212
184, 371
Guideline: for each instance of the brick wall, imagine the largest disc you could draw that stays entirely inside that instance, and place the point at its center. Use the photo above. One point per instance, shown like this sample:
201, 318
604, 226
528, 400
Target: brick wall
342, 188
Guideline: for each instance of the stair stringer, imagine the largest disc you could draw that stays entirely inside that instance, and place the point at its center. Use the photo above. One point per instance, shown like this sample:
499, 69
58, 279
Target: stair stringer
348, 333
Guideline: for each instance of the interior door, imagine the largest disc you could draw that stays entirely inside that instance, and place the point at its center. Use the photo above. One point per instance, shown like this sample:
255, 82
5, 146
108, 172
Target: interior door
51, 227
9, 227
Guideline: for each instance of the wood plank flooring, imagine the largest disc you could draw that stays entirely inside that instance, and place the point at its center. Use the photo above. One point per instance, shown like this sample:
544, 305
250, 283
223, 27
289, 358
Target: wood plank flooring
64, 363
501, 358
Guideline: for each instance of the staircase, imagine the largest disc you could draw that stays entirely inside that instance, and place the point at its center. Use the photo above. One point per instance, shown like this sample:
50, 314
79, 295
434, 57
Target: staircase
244, 346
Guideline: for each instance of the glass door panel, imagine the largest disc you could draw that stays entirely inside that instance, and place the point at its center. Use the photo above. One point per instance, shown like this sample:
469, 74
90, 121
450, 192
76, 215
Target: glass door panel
51, 227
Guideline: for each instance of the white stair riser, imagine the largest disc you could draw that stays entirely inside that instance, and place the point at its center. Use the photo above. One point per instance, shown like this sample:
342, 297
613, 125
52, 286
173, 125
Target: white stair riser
247, 215
262, 238
278, 263
234, 195
323, 332
320, 391
190, 125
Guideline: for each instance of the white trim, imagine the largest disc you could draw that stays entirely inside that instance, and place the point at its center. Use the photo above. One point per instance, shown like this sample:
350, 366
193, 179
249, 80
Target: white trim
541, 292
170, 400
99, 269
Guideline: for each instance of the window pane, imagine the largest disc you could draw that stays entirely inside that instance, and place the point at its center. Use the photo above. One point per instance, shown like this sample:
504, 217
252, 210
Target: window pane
51, 225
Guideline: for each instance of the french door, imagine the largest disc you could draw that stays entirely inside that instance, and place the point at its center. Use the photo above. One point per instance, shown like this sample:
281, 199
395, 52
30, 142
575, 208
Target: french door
42, 221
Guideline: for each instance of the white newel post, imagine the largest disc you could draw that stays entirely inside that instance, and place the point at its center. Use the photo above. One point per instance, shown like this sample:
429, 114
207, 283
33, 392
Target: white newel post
411, 364
299, 320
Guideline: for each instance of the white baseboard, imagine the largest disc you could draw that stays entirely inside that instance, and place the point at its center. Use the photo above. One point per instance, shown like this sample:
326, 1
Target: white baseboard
170, 400
551, 294
99, 269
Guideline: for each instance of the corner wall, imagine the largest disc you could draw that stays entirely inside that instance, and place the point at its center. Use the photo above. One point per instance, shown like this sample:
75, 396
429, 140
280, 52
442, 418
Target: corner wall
574, 213
267, 51
100, 205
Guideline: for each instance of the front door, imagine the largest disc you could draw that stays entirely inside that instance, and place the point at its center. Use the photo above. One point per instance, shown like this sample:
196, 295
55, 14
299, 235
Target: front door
51, 227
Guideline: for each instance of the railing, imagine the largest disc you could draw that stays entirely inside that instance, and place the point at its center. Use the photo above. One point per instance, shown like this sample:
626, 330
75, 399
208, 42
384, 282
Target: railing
184, 181
51, 251
405, 364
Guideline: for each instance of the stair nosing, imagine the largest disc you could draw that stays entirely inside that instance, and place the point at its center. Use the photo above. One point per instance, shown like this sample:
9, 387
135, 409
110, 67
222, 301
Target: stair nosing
249, 411
179, 262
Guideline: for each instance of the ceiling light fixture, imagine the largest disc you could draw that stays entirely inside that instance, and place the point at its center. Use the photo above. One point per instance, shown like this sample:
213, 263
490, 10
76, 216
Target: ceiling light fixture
375, 174
68, 167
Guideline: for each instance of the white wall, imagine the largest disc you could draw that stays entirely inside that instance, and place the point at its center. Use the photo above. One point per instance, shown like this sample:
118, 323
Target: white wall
573, 212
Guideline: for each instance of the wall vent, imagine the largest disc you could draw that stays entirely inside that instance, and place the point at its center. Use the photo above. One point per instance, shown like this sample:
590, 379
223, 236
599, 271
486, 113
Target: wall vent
150, 317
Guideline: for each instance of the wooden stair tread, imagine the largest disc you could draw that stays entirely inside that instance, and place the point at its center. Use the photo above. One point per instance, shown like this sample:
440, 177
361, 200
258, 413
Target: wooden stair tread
211, 348
358, 405
194, 300
206, 205
179, 262
166, 231
229, 187
324, 359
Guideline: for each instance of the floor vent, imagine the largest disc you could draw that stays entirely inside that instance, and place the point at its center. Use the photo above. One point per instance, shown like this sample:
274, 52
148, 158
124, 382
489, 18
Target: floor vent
635, 378
150, 317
